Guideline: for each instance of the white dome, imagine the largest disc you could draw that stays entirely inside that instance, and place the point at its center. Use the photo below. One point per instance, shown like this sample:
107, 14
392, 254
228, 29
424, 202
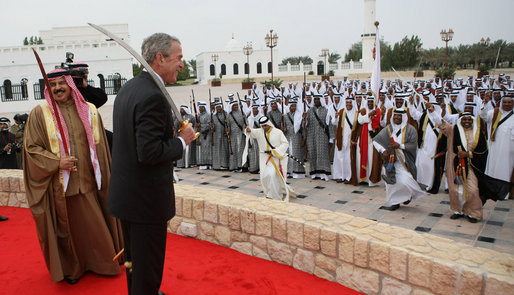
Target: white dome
233, 45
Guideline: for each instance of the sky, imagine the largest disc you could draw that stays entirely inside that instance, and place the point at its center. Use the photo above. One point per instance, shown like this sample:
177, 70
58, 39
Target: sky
303, 27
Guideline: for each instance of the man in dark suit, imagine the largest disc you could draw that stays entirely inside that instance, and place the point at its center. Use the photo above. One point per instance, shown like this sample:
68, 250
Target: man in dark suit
141, 191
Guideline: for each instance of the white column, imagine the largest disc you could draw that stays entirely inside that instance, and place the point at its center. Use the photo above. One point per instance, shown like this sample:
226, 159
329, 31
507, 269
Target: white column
368, 36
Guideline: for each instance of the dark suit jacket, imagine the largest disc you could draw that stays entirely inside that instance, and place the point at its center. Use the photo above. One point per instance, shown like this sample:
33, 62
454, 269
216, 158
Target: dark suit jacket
141, 187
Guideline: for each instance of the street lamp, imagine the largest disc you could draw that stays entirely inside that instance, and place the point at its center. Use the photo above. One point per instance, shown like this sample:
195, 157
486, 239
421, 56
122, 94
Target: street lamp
446, 36
324, 53
215, 58
247, 51
271, 41
485, 43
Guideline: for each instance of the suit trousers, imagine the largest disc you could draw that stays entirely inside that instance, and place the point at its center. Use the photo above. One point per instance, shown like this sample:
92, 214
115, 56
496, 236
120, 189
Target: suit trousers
145, 247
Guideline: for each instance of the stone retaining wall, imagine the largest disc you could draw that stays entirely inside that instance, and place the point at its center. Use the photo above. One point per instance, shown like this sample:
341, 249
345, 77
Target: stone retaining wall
371, 257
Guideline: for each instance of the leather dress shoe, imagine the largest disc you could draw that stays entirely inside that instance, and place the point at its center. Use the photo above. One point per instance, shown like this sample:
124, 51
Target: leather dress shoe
407, 202
3, 218
71, 281
472, 219
392, 208
456, 216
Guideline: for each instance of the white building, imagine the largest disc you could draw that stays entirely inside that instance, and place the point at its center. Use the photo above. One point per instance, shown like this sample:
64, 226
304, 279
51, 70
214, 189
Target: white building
232, 63
20, 75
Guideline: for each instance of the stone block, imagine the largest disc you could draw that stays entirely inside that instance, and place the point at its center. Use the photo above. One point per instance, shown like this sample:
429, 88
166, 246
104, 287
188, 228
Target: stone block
187, 207
360, 251
5, 184
319, 272
295, 232
263, 224
360, 222
444, 278
393, 287
346, 244
344, 275
222, 234
379, 256
497, 268
178, 206
419, 270
243, 247
259, 242
22, 186
280, 252
188, 229
476, 255
210, 212
326, 263
365, 280
311, 234
257, 252
279, 228
238, 236
328, 242
13, 200
223, 214
304, 261
495, 285
470, 282
198, 209
14, 184
174, 224
248, 221
4, 198
398, 263
234, 220
419, 291
207, 228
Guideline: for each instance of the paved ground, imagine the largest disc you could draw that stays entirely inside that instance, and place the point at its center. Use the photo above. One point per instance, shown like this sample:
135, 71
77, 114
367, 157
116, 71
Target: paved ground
430, 214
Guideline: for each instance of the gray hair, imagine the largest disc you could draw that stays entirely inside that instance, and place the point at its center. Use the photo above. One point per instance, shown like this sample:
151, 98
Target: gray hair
158, 42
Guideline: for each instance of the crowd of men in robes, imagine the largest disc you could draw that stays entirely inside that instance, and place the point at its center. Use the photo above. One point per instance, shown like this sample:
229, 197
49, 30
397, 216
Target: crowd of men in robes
347, 133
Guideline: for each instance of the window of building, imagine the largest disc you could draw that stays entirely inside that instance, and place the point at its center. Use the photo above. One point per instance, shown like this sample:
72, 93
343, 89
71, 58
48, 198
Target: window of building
247, 68
269, 67
223, 69
236, 69
259, 68
212, 70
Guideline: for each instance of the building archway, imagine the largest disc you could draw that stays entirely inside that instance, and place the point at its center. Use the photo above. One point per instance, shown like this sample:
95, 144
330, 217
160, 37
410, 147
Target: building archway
320, 68
102, 81
7, 87
24, 88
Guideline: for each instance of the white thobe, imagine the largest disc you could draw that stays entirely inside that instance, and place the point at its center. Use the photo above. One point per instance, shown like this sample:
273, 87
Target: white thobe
500, 161
273, 167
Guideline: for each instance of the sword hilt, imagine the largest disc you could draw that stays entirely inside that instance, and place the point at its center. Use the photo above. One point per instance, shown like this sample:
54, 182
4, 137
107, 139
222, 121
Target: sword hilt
184, 125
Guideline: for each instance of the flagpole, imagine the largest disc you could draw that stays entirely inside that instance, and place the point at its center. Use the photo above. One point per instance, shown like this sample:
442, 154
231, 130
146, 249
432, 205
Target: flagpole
375, 75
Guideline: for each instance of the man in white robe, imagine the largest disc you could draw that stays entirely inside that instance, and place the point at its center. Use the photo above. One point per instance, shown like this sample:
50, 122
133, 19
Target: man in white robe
273, 159
428, 134
500, 122
345, 122
397, 143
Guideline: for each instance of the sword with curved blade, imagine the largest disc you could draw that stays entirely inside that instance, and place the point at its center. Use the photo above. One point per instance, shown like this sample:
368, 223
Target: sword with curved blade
150, 71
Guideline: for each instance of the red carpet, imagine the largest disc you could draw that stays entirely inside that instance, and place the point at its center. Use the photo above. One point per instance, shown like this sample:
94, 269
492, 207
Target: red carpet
192, 267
